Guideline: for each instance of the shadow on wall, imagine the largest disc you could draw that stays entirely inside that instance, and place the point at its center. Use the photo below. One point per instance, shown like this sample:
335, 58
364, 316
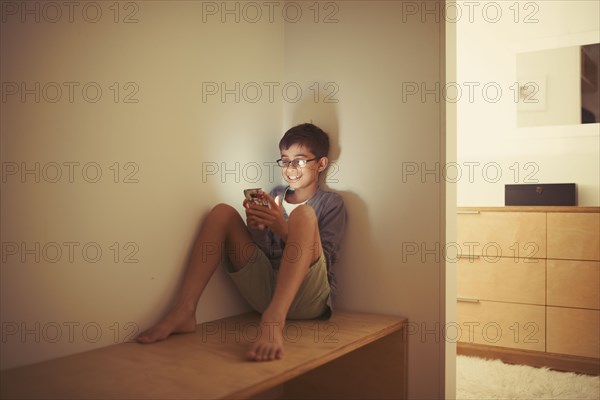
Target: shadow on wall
220, 297
358, 254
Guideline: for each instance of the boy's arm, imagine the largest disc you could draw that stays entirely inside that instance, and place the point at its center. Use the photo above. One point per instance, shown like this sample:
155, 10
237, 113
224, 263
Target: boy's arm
260, 236
332, 225
265, 238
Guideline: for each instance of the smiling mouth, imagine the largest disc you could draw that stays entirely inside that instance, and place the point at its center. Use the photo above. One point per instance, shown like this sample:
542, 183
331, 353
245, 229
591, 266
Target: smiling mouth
293, 178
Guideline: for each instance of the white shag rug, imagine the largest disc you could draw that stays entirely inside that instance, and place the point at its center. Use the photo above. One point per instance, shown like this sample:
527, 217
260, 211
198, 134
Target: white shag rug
478, 378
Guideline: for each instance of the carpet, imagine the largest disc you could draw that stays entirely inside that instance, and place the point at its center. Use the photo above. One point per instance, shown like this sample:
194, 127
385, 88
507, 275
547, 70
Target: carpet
478, 378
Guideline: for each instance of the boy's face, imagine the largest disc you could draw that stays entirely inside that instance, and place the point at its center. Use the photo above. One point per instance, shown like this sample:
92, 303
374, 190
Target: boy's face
298, 177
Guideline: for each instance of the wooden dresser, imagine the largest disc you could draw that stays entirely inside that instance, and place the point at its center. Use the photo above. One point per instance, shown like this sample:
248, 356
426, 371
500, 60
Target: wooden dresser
528, 285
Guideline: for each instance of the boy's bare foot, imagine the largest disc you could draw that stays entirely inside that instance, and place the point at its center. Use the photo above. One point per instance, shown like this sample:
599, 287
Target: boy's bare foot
269, 345
174, 322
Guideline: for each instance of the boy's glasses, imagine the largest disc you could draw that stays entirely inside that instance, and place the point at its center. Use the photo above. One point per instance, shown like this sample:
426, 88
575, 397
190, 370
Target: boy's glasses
295, 163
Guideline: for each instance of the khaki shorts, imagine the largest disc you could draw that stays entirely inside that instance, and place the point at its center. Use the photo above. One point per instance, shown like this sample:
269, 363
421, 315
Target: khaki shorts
256, 283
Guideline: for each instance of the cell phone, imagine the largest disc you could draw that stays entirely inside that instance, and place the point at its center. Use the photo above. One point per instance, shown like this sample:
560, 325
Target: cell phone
256, 196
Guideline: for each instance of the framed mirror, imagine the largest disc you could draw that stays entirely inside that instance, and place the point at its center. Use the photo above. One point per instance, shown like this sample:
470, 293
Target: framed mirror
559, 86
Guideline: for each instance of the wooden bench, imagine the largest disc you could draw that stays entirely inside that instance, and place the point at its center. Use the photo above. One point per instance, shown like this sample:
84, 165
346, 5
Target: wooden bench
351, 355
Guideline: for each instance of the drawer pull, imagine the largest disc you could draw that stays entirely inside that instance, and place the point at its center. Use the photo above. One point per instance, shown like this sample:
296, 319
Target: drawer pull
467, 299
468, 212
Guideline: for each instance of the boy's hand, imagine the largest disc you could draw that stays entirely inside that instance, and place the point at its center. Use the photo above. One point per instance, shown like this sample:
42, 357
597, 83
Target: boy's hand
250, 220
257, 216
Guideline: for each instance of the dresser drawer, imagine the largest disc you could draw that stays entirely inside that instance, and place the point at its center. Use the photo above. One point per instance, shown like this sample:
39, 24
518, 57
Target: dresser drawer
509, 279
574, 236
573, 331
518, 326
514, 234
573, 283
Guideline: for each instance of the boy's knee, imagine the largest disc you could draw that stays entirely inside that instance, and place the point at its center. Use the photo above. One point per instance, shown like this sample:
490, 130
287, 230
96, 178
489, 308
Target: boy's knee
303, 213
222, 207
222, 210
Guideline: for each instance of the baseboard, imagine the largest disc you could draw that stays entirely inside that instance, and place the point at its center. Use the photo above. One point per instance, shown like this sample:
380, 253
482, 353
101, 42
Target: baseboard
559, 362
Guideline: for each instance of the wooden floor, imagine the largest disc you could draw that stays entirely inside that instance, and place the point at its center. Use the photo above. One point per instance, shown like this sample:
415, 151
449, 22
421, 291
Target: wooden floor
538, 359
210, 364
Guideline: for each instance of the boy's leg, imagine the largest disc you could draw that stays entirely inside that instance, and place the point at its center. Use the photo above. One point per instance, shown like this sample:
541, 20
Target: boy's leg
223, 226
302, 249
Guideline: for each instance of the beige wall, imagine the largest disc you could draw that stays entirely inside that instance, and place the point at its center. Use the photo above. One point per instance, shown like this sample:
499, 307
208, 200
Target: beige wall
369, 54
450, 194
359, 64
172, 137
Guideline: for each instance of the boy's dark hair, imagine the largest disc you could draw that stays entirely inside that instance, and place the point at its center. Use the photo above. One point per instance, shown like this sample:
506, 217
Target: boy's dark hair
308, 135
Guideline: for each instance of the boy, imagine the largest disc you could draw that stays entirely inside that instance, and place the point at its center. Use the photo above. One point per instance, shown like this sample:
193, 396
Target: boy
281, 260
